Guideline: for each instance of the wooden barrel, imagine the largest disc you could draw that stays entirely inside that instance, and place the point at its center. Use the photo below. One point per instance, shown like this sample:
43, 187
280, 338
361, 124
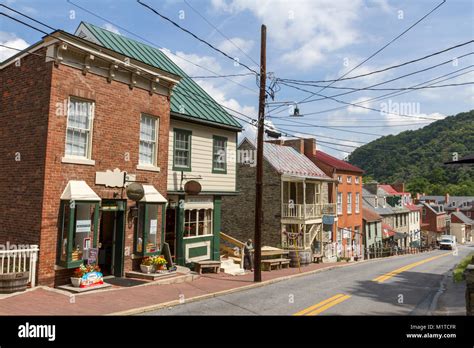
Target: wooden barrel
303, 256
13, 282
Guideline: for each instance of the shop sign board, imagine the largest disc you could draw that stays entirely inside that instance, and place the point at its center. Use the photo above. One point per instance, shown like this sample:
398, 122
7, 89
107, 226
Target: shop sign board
153, 225
92, 255
92, 279
83, 226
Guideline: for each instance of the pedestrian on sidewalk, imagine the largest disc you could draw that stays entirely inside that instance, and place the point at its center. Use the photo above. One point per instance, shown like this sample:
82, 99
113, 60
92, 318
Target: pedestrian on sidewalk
248, 255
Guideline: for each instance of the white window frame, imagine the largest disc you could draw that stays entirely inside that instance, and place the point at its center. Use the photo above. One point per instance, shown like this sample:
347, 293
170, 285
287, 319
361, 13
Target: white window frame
87, 158
339, 178
356, 179
156, 121
349, 202
339, 203
357, 203
349, 179
207, 219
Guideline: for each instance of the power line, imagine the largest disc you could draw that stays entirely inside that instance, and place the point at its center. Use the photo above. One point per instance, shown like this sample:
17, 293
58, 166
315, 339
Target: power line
384, 69
30, 18
220, 32
378, 51
391, 94
323, 97
159, 47
361, 106
195, 36
220, 76
390, 89
24, 23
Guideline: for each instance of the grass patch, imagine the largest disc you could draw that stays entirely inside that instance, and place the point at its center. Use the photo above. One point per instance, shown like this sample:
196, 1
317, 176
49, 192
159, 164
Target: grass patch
460, 267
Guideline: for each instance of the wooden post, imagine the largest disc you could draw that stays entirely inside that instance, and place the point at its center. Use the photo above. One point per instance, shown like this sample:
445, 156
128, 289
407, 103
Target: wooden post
259, 179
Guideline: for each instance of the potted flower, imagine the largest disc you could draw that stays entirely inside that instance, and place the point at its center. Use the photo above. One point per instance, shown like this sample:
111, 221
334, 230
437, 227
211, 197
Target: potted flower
159, 262
147, 265
77, 277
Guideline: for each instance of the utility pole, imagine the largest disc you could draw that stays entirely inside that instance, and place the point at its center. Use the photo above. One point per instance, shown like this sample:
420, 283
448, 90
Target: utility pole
259, 180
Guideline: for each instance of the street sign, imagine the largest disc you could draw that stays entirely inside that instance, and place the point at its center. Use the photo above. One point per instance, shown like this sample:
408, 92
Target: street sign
328, 219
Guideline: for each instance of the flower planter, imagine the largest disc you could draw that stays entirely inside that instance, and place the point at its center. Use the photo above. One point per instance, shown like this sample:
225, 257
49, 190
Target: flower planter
76, 282
147, 269
13, 282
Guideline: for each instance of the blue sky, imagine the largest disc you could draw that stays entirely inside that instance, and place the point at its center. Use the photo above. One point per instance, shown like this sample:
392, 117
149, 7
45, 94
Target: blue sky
307, 40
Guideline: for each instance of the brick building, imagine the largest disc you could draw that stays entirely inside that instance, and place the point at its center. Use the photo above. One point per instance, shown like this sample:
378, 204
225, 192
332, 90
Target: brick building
348, 233
77, 118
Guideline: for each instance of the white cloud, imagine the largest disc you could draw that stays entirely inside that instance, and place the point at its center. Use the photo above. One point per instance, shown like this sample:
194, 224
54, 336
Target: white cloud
232, 47
183, 60
306, 30
112, 28
11, 40
359, 110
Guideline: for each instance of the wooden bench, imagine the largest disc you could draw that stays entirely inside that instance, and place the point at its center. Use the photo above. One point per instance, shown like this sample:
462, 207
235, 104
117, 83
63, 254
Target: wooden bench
213, 265
277, 263
317, 258
268, 264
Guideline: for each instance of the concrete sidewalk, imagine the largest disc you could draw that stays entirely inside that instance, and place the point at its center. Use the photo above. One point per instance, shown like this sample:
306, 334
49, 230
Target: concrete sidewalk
141, 298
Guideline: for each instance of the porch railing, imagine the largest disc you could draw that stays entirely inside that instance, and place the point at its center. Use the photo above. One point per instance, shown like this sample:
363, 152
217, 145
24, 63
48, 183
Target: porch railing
308, 211
20, 260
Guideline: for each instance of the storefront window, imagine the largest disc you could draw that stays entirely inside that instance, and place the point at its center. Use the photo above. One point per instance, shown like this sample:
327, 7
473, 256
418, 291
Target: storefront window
149, 225
78, 232
197, 222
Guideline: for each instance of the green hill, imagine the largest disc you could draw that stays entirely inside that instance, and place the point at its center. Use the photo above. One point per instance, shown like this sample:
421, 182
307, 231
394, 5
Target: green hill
416, 157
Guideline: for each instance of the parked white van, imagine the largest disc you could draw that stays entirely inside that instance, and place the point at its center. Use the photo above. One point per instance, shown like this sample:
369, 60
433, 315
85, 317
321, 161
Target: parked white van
447, 242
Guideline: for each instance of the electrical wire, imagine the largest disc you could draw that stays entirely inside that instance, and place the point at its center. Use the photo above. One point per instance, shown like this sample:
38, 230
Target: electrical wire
378, 51
195, 36
161, 48
384, 69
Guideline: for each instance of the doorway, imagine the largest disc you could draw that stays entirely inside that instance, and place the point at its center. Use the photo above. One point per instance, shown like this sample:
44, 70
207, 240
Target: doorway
170, 232
111, 239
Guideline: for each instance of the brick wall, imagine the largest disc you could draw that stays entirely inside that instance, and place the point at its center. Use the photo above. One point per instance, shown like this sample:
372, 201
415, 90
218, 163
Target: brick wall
31, 106
24, 121
238, 212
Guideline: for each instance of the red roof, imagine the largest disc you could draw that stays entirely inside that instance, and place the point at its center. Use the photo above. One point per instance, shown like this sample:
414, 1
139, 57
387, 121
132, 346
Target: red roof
413, 207
387, 230
336, 163
370, 215
389, 189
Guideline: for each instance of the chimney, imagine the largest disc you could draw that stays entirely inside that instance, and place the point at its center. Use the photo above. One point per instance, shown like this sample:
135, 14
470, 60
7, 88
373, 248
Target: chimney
275, 141
297, 144
371, 187
399, 186
446, 198
418, 196
309, 147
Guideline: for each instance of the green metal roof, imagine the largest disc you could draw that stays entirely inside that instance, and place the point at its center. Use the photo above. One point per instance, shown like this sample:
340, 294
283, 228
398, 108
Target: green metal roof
188, 99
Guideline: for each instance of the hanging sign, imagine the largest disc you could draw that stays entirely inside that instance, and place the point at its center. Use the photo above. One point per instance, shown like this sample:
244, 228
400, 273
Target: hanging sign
328, 219
135, 191
192, 187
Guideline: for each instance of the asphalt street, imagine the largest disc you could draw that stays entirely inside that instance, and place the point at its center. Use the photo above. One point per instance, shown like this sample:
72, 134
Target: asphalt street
401, 285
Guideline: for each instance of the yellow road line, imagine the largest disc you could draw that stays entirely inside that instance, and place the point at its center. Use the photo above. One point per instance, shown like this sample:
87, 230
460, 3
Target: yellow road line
323, 305
317, 305
386, 276
329, 305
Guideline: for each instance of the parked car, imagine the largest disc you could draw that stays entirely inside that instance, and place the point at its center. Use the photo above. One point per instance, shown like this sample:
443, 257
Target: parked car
447, 242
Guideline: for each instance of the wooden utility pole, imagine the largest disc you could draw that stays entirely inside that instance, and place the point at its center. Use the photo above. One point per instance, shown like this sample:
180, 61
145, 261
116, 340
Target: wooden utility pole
259, 180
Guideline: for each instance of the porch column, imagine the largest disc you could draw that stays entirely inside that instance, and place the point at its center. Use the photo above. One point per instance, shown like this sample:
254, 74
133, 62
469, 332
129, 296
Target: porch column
304, 199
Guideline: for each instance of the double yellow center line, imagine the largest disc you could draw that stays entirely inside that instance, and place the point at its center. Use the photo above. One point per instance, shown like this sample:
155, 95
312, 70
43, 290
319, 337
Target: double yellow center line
323, 305
391, 274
